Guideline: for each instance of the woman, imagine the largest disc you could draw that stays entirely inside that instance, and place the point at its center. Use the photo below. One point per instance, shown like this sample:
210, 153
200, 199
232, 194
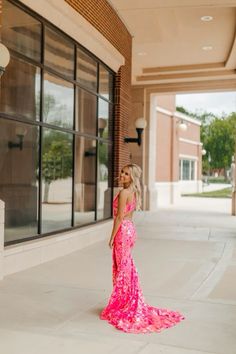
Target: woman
126, 309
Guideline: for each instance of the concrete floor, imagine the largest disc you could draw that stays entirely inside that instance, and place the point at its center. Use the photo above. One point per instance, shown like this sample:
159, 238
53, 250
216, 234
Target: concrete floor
186, 258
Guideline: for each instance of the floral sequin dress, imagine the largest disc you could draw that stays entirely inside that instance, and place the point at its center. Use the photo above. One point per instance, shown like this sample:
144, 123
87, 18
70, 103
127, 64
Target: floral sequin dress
127, 309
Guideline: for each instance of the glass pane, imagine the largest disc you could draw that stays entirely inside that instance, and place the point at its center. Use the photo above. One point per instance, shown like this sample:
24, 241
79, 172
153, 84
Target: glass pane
59, 53
86, 70
104, 181
18, 178
58, 103
180, 177
105, 83
86, 117
20, 31
104, 119
85, 180
20, 89
192, 170
186, 169
57, 180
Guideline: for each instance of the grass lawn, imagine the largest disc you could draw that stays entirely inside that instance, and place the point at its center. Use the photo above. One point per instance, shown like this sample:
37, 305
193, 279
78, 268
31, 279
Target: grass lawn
223, 193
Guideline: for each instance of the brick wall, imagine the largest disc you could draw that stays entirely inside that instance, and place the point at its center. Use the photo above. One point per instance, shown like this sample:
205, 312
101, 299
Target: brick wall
0, 17
104, 18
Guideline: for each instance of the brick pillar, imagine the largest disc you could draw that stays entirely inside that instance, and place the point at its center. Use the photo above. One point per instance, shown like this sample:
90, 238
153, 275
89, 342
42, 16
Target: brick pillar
0, 17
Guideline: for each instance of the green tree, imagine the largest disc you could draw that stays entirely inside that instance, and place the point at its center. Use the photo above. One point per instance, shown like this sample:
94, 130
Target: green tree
57, 159
220, 143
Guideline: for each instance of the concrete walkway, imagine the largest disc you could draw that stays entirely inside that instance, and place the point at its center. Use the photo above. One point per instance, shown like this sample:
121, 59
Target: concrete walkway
186, 258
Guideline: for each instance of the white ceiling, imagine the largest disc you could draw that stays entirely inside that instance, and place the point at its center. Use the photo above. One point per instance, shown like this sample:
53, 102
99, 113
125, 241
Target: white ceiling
168, 36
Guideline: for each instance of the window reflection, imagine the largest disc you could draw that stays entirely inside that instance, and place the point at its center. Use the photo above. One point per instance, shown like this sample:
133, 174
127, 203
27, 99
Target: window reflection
18, 178
105, 83
57, 180
86, 118
20, 143
104, 119
59, 53
86, 70
187, 170
58, 101
20, 89
104, 181
20, 31
85, 180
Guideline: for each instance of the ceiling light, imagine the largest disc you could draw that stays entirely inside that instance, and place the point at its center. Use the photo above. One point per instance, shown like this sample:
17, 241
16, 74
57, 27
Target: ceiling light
142, 53
207, 47
206, 18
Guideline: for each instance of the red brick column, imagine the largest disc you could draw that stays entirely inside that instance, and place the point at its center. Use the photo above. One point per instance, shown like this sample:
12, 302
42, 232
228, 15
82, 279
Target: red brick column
0, 18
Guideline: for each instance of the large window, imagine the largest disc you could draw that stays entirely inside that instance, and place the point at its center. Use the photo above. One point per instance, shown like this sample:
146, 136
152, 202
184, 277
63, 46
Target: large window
57, 158
186, 170
56, 130
20, 89
19, 178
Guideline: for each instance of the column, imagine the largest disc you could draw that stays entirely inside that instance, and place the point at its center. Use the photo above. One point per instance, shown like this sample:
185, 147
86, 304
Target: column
2, 210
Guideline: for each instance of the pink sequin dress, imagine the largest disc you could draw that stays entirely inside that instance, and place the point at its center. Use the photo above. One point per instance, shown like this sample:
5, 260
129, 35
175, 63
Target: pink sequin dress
127, 309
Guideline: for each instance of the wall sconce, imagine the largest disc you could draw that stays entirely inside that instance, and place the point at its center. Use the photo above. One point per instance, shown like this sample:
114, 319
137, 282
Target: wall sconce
182, 126
203, 152
92, 150
20, 133
140, 125
4, 58
102, 123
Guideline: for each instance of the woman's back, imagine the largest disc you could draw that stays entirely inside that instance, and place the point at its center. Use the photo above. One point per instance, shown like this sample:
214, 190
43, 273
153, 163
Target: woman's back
129, 208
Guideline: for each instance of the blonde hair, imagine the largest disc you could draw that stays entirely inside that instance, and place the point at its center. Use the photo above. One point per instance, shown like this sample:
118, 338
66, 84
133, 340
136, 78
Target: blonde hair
135, 185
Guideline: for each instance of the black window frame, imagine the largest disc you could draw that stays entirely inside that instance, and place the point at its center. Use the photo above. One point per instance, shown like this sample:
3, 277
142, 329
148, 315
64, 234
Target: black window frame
39, 123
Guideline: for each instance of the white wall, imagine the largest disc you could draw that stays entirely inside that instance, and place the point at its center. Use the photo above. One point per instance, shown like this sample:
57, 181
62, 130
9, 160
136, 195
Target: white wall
190, 186
29, 254
2, 212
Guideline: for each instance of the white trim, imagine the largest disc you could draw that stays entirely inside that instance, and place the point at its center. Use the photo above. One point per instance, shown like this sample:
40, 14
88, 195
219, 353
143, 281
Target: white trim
178, 115
190, 141
63, 16
167, 192
164, 111
188, 157
186, 118
167, 183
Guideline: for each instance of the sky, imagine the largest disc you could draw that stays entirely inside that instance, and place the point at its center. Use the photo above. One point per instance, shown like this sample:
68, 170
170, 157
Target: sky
217, 103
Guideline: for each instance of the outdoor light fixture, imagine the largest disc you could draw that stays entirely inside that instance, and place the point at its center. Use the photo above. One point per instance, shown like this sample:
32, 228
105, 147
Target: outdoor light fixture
206, 18
140, 125
207, 47
4, 58
92, 150
203, 152
183, 126
142, 54
102, 123
20, 133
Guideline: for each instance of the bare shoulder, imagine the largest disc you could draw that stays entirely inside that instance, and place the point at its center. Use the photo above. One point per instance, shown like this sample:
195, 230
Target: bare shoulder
125, 194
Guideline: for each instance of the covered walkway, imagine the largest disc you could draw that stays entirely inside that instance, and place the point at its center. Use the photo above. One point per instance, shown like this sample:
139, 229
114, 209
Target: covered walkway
186, 259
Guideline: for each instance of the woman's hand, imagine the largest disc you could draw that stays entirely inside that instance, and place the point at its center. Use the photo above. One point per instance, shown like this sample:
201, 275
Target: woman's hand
111, 242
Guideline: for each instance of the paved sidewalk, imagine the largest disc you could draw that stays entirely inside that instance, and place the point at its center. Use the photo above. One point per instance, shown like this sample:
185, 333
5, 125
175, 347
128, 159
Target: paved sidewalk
186, 258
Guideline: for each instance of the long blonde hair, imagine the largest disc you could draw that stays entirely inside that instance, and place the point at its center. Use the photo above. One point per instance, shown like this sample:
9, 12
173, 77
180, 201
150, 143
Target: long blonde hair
135, 185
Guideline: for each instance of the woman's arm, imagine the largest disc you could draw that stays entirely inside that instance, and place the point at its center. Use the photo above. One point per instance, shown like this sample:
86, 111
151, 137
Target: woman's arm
122, 199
